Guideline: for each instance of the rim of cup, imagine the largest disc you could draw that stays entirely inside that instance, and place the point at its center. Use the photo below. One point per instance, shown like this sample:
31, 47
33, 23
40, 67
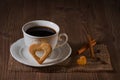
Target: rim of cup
36, 21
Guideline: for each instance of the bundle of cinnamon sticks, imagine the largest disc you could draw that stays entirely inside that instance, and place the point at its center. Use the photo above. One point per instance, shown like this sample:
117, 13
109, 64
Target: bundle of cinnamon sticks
90, 45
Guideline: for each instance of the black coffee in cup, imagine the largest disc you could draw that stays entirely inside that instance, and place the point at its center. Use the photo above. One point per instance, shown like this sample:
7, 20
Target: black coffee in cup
40, 31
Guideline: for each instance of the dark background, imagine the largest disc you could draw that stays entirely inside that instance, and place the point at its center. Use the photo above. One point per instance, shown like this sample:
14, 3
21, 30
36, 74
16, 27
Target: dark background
101, 17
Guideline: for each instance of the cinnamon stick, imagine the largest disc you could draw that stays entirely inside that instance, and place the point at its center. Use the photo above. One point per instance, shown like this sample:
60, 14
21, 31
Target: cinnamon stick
90, 46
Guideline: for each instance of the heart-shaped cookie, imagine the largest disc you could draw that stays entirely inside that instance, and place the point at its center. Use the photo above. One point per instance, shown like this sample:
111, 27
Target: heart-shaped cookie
82, 60
45, 47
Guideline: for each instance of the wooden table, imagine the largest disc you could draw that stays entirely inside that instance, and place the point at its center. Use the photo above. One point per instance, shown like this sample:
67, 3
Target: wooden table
101, 17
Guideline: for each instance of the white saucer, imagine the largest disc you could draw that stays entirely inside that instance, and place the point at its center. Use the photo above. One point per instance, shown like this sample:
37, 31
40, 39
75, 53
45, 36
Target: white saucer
20, 53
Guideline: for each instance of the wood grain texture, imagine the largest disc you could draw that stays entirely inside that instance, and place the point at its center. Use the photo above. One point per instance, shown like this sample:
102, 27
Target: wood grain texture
101, 17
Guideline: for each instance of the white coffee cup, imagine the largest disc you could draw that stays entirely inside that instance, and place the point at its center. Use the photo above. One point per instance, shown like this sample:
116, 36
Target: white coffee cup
54, 40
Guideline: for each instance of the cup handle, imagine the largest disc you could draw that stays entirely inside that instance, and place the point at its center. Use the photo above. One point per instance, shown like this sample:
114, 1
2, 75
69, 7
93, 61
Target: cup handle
62, 39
